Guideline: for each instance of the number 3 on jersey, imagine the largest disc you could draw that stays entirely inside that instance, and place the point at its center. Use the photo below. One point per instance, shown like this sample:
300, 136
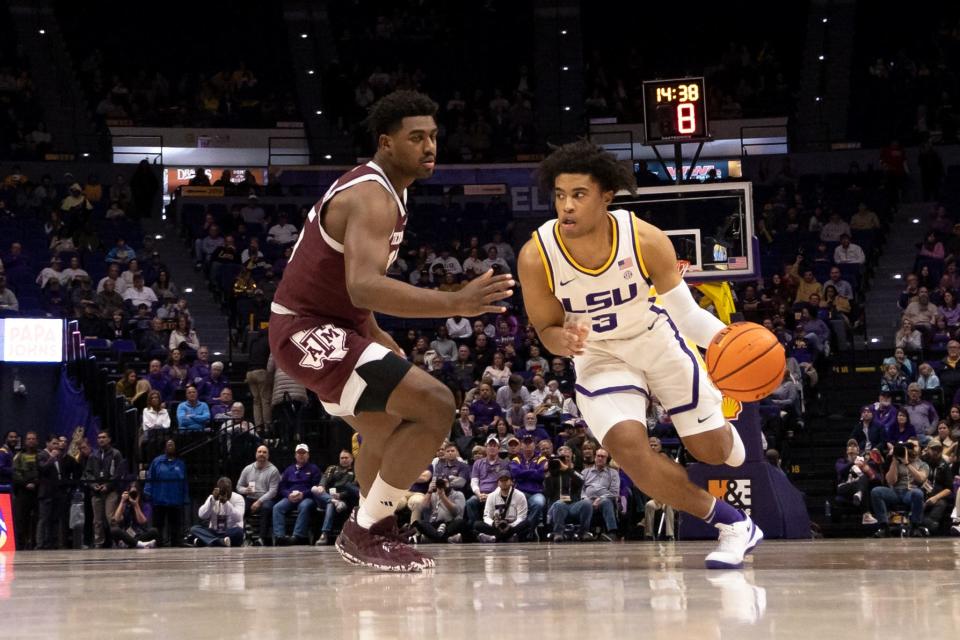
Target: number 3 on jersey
604, 322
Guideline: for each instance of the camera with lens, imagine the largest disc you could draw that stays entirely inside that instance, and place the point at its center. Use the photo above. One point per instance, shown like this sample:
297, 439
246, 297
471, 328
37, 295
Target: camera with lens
441, 484
132, 494
553, 464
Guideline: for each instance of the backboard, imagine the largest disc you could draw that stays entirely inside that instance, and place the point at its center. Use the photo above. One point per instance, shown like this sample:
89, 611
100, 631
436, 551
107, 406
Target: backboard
711, 226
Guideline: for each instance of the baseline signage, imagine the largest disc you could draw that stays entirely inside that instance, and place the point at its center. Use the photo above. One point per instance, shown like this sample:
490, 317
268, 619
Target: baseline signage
31, 340
516, 183
7, 537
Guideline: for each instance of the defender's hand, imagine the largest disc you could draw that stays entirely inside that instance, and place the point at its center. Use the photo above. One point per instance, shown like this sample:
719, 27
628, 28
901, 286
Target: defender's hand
480, 294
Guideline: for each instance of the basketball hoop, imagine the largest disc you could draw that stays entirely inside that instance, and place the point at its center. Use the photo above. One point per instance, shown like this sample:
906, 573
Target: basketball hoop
682, 266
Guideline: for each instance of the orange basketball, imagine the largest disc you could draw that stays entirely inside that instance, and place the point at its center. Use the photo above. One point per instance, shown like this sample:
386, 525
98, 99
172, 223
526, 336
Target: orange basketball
746, 361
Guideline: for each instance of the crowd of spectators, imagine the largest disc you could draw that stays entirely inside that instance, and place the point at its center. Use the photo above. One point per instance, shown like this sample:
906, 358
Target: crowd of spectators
902, 454
231, 96
488, 117
746, 81
906, 74
518, 449
237, 82
23, 132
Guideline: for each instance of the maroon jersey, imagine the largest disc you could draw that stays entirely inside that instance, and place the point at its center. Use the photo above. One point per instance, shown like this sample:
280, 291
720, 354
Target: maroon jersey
314, 282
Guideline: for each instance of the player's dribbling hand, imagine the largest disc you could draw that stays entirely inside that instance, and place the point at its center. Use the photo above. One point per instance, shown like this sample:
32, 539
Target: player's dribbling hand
480, 294
574, 337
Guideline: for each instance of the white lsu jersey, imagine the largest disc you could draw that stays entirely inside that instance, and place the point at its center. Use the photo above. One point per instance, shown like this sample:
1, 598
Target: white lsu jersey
634, 349
615, 299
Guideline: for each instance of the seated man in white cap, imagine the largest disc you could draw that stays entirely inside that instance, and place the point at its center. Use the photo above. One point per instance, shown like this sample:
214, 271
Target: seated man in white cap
294, 492
483, 479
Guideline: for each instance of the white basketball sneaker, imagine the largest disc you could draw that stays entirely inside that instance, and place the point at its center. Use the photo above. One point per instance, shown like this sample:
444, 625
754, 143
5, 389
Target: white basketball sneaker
736, 540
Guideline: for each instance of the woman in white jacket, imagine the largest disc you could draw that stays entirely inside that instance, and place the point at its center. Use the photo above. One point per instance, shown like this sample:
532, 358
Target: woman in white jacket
183, 336
154, 425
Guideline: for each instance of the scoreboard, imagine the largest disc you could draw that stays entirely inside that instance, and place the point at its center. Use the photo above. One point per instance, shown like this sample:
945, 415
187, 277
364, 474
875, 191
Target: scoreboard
675, 110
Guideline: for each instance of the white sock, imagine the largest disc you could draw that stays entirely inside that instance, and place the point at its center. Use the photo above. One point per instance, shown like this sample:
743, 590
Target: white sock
141, 545
737, 454
382, 501
363, 499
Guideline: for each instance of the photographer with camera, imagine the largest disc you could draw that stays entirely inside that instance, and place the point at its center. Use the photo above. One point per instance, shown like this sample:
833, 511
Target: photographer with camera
223, 512
445, 521
568, 515
856, 474
130, 522
904, 480
451, 468
483, 479
505, 514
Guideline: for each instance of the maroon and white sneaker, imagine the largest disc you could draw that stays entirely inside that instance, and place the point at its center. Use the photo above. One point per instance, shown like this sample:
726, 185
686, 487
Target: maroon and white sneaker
379, 547
405, 536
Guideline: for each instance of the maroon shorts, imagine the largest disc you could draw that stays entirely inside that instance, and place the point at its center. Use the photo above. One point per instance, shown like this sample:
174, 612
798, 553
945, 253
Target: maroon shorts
324, 358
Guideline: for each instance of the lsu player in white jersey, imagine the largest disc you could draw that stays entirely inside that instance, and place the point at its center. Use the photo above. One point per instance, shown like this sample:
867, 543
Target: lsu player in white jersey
603, 287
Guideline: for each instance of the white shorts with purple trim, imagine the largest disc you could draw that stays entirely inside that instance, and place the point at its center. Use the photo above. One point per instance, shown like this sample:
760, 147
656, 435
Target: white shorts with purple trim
615, 379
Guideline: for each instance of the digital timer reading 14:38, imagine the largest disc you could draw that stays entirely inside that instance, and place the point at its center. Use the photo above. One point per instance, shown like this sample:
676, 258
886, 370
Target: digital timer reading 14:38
680, 93
675, 110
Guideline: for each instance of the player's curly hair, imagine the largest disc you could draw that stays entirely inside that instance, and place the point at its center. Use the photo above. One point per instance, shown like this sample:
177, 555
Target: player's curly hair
585, 157
388, 112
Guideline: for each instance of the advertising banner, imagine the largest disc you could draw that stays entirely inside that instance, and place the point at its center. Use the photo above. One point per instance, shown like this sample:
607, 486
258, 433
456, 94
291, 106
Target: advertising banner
756, 487
7, 540
181, 176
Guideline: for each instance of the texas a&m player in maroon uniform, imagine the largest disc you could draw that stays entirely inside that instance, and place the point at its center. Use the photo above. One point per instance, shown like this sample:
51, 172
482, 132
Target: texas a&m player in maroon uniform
323, 334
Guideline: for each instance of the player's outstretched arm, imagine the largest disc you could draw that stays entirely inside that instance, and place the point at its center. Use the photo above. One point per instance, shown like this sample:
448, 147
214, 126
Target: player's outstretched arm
544, 310
673, 294
370, 220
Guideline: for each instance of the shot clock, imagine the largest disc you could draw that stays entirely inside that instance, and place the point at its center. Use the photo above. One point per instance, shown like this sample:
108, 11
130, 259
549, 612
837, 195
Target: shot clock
675, 110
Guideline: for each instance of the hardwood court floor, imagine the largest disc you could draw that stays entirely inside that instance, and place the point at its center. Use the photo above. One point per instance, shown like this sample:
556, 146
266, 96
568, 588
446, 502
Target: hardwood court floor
815, 590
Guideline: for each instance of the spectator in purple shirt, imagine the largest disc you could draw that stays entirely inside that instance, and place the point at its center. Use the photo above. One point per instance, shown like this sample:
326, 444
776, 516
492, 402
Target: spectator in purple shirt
813, 330
532, 429
483, 479
213, 385
200, 370
922, 414
884, 412
7, 451
528, 470
220, 406
485, 408
452, 469
294, 492
902, 430
160, 381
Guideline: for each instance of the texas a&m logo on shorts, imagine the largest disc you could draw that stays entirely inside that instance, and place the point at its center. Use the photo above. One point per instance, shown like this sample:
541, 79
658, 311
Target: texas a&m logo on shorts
320, 345
735, 492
